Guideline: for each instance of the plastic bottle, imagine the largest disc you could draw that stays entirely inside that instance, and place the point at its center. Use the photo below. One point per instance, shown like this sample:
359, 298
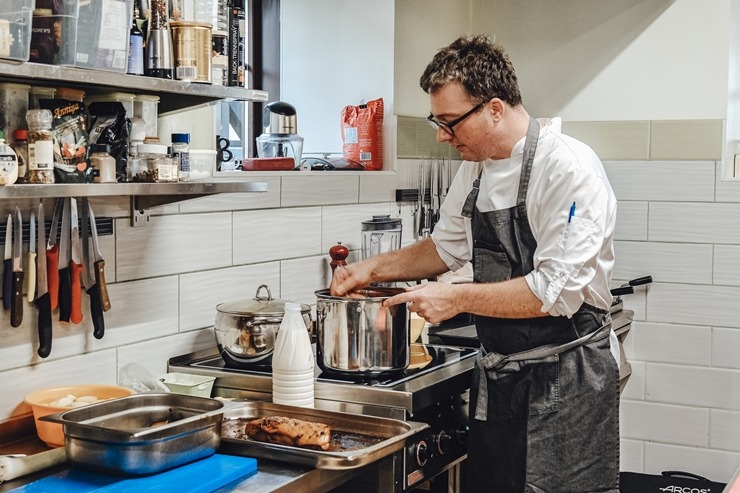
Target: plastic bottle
293, 361
20, 146
104, 165
180, 149
8, 163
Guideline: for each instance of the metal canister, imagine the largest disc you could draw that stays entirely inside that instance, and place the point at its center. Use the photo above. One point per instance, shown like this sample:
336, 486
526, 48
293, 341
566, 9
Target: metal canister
191, 44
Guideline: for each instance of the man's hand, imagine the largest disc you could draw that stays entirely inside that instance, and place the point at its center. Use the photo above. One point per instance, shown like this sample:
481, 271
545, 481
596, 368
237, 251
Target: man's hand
347, 278
433, 301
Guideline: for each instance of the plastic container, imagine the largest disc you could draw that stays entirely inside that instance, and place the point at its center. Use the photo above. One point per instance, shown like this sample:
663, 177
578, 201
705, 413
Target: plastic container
152, 165
16, 18
125, 98
104, 165
40, 401
93, 34
281, 145
146, 107
54, 35
202, 164
293, 361
70, 94
13, 106
185, 383
39, 93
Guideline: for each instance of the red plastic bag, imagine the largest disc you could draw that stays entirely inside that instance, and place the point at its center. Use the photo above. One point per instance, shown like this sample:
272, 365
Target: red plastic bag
362, 134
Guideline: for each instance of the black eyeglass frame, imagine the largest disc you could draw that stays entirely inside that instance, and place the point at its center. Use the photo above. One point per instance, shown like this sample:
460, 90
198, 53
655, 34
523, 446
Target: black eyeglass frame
448, 127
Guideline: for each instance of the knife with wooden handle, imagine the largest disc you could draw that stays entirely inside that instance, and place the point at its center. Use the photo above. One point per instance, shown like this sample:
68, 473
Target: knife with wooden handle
8, 263
52, 255
88, 277
43, 299
99, 264
65, 278
75, 265
16, 293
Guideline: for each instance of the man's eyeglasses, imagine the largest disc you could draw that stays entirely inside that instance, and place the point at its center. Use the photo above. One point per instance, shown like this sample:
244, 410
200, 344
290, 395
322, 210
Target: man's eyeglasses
447, 127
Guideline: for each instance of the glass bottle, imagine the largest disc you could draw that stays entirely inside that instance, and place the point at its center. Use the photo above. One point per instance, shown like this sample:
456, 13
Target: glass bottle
180, 151
20, 146
40, 147
136, 47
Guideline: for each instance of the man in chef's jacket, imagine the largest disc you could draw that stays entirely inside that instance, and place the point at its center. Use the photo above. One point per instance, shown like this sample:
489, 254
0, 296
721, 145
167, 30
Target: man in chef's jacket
533, 211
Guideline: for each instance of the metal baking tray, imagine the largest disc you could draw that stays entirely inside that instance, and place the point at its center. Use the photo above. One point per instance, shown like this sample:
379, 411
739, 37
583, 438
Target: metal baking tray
362, 439
141, 433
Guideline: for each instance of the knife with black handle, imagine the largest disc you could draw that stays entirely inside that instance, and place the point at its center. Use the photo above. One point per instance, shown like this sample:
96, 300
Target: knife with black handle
43, 299
88, 278
65, 277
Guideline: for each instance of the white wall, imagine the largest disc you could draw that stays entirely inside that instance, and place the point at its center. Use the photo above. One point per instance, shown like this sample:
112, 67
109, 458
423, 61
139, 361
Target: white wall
336, 53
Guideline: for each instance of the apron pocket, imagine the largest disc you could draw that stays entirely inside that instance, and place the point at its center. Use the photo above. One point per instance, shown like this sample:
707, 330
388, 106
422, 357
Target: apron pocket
490, 263
532, 390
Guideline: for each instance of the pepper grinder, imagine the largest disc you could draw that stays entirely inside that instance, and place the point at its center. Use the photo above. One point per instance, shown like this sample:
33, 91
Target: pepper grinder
159, 59
338, 254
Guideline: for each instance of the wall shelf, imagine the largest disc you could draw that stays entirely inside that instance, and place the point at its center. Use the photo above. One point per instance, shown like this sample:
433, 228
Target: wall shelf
174, 95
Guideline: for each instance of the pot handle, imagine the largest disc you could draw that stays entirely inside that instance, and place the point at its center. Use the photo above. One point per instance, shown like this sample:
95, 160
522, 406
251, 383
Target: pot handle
257, 294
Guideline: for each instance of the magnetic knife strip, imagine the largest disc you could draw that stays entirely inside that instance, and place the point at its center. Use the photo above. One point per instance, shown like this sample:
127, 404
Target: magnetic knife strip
104, 225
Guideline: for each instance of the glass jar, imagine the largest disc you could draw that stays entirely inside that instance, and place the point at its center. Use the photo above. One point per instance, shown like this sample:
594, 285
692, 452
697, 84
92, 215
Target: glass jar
40, 147
151, 164
180, 150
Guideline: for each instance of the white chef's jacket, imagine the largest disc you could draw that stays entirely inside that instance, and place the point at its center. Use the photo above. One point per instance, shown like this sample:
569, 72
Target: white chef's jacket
573, 260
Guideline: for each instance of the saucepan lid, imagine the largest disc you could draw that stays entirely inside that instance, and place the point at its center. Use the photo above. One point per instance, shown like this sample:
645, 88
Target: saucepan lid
262, 305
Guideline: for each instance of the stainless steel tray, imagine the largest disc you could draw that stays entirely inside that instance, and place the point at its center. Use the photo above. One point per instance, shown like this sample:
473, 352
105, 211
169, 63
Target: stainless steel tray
391, 435
141, 433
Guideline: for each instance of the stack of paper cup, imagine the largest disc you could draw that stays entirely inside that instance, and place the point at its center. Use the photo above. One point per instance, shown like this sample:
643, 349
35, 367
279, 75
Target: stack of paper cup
293, 361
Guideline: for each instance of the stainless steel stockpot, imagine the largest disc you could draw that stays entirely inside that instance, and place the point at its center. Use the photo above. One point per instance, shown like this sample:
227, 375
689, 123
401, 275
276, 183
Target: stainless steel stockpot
357, 337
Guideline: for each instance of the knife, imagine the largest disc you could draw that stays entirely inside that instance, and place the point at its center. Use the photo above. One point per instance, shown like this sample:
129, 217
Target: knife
16, 301
88, 278
8, 263
99, 264
75, 264
43, 300
30, 277
65, 279
52, 256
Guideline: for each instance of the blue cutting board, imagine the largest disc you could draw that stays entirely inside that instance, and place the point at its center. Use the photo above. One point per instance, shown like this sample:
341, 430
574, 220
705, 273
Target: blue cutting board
202, 476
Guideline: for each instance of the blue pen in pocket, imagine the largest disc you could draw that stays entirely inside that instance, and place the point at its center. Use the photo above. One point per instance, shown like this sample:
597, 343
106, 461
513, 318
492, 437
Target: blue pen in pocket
572, 212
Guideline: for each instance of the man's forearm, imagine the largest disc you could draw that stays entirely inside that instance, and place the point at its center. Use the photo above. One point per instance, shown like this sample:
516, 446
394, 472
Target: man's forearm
413, 262
507, 299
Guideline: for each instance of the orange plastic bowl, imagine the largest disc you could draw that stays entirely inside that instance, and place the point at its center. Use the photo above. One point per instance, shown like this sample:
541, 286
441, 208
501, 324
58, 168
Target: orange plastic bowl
53, 433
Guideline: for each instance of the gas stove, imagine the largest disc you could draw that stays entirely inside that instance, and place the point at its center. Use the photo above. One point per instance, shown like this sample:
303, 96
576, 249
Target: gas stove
436, 394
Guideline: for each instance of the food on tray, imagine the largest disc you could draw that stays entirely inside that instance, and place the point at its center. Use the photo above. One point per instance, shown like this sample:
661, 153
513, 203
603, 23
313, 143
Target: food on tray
289, 431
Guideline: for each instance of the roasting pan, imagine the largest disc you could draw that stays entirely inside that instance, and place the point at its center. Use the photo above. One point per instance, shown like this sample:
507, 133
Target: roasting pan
357, 439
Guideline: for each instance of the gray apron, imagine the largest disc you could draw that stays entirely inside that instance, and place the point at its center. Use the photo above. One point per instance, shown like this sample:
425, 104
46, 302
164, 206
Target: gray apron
545, 391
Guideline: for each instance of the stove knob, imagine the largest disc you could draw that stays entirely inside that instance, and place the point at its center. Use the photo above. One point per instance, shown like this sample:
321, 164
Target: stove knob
422, 453
444, 441
462, 433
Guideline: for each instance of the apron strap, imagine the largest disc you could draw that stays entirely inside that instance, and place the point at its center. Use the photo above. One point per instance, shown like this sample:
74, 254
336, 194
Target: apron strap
492, 366
530, 146
469, 205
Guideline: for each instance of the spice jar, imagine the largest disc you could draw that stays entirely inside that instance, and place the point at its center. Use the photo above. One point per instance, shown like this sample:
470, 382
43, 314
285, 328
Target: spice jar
40, 147
180, 149
8, 164
104, 165
152, 164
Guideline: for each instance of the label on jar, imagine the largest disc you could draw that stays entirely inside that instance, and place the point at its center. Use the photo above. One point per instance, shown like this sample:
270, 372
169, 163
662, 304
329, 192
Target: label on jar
184, 161
8, 167
164, 170
41, 155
